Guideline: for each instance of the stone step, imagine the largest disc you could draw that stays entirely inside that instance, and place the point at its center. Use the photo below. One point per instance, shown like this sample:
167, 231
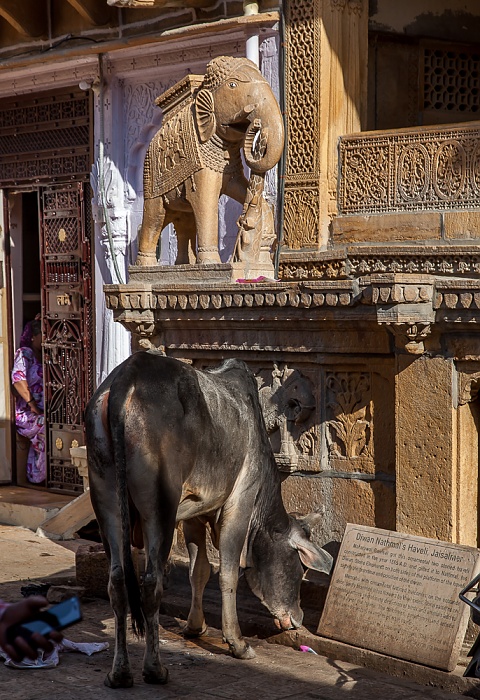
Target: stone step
29, 507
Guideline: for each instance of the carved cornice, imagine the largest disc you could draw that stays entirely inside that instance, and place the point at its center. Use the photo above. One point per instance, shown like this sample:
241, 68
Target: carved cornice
461, 295
398, 289
409, 306
139, 297
357, 261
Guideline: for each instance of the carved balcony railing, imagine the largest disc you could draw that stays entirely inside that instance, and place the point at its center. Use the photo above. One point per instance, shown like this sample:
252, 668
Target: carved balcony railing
427, 168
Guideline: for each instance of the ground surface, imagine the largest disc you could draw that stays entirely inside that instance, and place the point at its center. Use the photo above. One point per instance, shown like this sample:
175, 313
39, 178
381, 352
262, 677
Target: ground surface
198, 670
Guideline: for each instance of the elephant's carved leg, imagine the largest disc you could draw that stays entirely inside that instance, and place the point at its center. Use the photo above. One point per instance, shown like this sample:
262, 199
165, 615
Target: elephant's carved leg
152, 225
186, 231
204, 201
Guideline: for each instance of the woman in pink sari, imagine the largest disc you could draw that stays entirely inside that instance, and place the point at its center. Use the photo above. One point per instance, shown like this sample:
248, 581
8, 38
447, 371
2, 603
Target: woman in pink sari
27, 379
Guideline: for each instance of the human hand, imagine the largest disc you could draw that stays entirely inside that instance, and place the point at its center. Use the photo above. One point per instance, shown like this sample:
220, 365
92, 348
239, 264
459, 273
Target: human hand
35, 409
20, 612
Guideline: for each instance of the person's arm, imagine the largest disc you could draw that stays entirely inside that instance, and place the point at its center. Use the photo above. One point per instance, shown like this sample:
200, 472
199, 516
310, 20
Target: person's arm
21, 386
15, 614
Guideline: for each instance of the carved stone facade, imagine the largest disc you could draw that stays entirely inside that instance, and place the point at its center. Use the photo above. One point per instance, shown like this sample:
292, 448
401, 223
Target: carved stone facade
414, 169
372, 320
323, 103
364, 349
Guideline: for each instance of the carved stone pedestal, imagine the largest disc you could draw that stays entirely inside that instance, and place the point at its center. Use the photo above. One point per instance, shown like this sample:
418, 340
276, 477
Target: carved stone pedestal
368, 379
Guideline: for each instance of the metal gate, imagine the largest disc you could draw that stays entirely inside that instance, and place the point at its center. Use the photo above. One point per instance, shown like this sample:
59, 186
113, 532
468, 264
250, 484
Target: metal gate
67, 326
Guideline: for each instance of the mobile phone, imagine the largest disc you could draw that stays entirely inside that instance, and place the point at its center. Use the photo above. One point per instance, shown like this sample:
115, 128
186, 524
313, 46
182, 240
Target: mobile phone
58, 617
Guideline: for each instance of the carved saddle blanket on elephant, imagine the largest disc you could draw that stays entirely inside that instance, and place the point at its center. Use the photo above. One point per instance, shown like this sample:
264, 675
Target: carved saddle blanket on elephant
176, 154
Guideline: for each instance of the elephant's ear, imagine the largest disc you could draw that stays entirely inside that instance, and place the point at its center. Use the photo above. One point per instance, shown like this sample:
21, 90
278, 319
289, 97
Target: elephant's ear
204, 109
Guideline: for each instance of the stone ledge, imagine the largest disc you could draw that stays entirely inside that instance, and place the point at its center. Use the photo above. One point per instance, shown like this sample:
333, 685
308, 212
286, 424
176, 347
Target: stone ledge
129, 297
449, 259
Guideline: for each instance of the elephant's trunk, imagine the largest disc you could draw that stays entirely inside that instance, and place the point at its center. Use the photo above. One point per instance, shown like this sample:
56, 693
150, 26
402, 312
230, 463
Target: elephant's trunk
264, 141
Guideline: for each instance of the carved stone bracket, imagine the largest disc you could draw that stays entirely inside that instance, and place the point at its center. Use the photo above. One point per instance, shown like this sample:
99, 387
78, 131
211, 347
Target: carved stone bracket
410, 336
468, 387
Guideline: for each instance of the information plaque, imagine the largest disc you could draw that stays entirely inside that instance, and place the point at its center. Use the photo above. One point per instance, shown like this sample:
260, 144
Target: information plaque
398, 595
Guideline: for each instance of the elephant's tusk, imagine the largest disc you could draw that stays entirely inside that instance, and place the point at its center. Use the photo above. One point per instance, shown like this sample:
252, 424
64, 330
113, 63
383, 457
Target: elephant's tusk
243, 113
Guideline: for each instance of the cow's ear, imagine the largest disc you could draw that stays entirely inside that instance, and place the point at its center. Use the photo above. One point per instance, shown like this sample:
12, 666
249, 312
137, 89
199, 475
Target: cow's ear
311, 556
308, 522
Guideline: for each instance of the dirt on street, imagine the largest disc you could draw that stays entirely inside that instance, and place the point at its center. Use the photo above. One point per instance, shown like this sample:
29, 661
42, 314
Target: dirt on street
199, 669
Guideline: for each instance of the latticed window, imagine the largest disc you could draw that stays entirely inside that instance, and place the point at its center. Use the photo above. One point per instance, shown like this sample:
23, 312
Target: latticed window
451, 81
45, 137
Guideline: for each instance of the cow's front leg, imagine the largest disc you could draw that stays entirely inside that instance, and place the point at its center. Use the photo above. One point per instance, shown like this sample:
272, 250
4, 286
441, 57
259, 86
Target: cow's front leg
195, 537
121, 675
233, 530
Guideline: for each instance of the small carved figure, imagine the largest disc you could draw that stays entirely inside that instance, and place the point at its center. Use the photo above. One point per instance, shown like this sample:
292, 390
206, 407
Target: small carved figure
288, 401
196, 156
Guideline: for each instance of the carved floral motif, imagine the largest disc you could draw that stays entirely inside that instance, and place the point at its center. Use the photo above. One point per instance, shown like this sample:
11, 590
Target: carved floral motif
301, 217
437, 168
463, 262
349, 421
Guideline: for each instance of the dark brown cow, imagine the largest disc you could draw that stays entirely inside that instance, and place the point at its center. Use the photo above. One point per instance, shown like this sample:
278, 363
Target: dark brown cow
167, 443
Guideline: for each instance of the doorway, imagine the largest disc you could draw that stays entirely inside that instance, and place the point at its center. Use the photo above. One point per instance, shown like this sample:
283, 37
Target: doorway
51, 276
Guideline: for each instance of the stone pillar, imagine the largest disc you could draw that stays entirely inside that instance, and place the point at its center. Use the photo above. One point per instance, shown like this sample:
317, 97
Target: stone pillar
426, 452
323, 103
468, 422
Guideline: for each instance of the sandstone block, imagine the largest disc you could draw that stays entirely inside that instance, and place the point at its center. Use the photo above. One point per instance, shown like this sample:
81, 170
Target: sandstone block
57, 594
92, 569
461, 224
408, 226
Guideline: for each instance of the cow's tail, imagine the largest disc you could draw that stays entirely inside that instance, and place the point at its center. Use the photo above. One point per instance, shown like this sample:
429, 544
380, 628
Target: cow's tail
116, 416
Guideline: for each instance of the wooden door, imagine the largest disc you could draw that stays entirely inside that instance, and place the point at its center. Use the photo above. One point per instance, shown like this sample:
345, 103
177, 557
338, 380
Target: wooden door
67, 313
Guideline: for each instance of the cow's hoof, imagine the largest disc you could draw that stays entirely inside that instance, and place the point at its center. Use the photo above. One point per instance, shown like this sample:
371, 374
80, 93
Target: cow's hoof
244, 652
191, 633
124, 680
156, 677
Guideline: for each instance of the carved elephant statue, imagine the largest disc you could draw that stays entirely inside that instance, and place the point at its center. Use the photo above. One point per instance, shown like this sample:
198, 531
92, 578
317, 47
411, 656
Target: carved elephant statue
196, 155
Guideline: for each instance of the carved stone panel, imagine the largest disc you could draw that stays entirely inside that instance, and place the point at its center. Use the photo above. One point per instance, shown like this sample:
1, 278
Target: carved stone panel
348, 420
291, 410
410, 170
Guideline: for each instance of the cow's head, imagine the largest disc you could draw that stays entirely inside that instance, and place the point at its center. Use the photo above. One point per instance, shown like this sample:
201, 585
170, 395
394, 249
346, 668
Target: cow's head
274, 568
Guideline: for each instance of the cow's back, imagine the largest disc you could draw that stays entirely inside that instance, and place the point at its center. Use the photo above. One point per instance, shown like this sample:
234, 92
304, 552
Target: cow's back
185, 431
